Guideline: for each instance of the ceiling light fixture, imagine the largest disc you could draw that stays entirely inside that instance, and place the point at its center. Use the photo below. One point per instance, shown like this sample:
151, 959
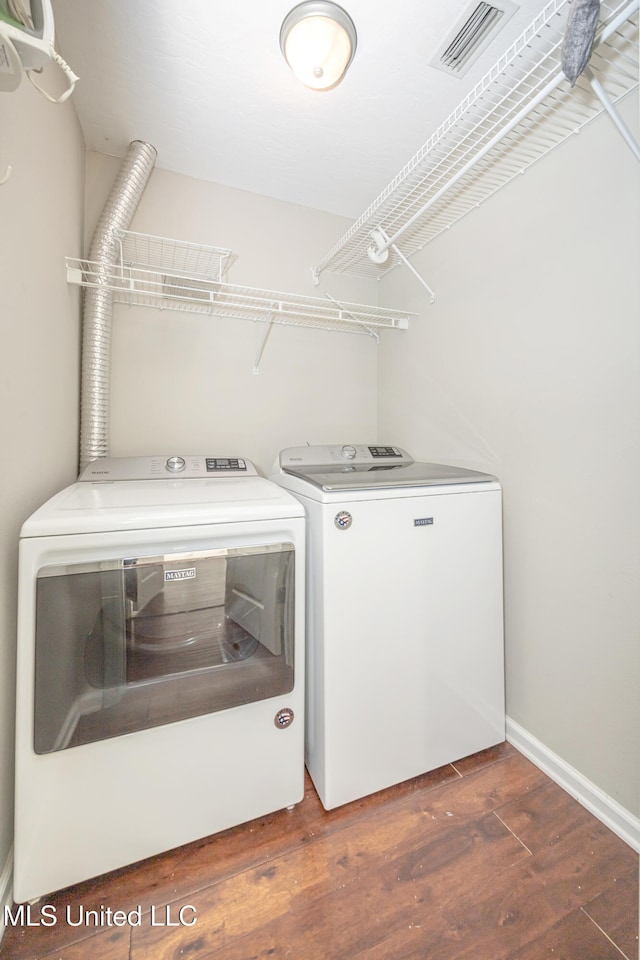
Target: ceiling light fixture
318, 40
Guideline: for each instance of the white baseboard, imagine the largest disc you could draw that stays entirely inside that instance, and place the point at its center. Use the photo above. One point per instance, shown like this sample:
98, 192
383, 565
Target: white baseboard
601, 805
6, 889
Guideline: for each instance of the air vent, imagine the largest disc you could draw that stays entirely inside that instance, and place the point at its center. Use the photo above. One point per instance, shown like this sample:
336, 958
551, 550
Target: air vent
481, 22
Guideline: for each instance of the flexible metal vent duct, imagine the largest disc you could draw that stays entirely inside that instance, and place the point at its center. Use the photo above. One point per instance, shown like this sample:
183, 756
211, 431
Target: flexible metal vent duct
98, 301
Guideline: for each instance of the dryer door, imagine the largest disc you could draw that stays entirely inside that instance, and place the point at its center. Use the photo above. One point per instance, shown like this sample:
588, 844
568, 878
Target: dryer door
124, 645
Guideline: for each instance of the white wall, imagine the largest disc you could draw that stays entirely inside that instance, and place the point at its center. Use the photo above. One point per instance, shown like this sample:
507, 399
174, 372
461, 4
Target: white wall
41, 210
184, 382
527, 366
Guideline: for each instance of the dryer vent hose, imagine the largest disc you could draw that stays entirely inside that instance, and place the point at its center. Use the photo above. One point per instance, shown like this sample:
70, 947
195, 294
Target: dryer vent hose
95, 391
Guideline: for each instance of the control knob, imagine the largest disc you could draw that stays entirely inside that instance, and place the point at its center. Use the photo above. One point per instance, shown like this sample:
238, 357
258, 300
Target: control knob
175, 464
348, 452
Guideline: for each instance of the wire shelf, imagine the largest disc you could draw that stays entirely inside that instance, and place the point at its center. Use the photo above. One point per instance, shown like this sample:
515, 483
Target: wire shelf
173, 257
520, 110
174, 275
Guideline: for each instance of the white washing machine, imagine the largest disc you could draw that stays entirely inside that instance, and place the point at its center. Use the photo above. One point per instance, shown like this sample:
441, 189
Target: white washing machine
160, 691
405, 665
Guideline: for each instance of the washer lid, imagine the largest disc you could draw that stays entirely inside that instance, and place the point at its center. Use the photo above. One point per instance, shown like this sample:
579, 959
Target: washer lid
357, 476
369, 467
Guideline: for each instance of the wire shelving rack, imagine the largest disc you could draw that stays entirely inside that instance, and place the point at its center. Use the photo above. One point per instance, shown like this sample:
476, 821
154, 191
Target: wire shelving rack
521, 109
176, 275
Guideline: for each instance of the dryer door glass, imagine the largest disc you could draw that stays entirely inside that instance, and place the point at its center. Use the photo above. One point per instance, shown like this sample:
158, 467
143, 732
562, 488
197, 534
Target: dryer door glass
125, 645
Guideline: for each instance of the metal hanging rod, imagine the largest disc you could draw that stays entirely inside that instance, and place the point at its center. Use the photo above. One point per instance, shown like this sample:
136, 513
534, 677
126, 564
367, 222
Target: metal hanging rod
627, 136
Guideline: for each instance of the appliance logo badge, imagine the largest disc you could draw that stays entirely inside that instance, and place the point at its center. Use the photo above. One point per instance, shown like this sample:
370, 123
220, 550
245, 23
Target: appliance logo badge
423, 522
343, 520
189, 573
283, 718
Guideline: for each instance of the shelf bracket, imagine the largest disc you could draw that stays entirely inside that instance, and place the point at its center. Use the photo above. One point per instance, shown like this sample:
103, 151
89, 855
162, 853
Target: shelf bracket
372, 333
268, 324
379, 253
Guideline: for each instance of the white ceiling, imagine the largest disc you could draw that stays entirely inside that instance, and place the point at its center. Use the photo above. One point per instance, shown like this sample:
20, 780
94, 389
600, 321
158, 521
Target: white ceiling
206, 84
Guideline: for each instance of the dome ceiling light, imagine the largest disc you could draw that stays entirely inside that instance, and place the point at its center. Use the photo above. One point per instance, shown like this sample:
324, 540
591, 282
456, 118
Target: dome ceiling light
318, 40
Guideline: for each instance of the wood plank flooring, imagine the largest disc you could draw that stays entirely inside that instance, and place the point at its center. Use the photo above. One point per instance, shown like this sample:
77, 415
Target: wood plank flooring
485, 859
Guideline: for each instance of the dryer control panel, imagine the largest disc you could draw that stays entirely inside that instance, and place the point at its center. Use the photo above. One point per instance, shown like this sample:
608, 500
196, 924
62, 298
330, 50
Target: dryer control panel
173, 467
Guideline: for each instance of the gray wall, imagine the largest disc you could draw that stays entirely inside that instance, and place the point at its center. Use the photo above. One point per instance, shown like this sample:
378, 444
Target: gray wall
527, 366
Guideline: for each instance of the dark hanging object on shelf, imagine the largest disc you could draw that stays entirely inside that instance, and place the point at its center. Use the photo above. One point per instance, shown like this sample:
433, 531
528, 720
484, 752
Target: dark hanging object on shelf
579, 36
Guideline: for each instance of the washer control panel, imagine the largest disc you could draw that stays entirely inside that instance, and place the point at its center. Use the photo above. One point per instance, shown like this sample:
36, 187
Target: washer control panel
386, 452
110, 469
325, 455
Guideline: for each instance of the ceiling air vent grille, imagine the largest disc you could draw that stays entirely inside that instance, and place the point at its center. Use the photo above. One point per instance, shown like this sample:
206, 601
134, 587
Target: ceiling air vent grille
480, 24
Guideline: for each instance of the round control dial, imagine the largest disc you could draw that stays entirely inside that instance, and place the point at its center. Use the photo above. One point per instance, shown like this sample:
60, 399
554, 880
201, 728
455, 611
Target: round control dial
348, 452
175, 464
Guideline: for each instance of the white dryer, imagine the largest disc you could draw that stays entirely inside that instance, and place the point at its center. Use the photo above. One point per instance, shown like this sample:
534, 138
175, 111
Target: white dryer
405, 665
160, 692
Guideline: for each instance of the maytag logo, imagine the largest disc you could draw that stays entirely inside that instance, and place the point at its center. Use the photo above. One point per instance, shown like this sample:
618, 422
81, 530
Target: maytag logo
189, 573
423, 522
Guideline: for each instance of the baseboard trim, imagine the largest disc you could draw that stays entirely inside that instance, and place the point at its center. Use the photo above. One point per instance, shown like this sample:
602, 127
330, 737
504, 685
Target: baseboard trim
6, 889
596, 801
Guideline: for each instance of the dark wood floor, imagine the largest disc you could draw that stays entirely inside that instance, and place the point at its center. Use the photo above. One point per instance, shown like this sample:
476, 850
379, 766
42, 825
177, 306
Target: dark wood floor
486, 859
